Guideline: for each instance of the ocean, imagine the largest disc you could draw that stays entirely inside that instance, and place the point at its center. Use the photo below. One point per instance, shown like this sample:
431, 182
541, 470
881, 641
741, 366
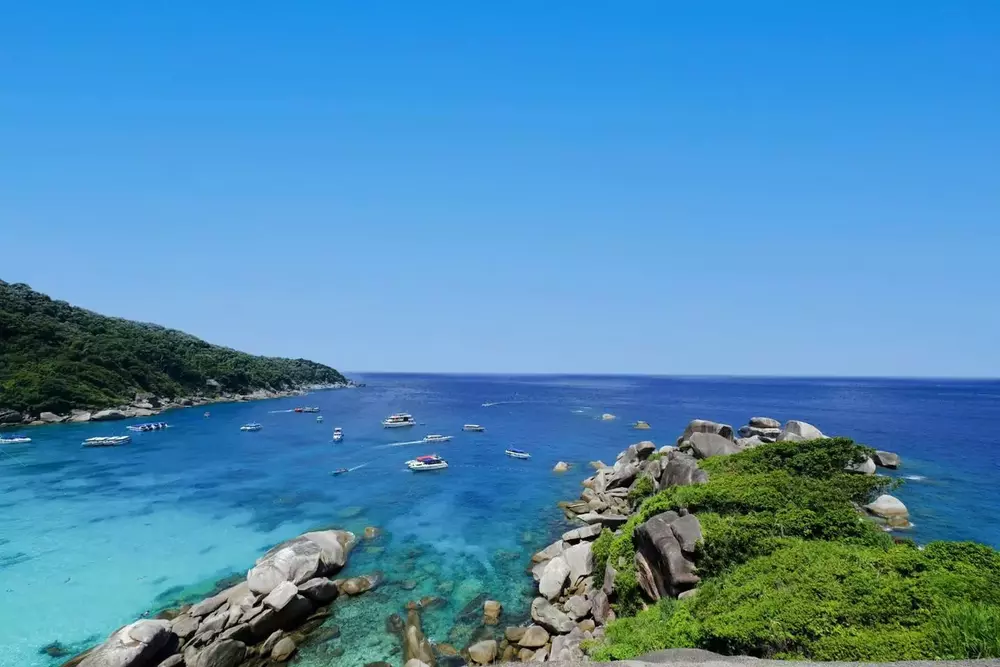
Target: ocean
92, 538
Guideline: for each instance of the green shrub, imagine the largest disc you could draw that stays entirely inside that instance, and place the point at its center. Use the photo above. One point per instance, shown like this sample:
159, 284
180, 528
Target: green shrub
967, 630
643, 488
667, 623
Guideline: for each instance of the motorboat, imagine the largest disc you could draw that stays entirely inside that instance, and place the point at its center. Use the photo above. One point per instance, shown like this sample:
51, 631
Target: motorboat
319, 418
298, 409
309, 409
474, 428
338, 434
434, 437
145, 428
432, 462
517, 453
340, 471
399, 420
253, 426
14, 439
107, 441
208, 414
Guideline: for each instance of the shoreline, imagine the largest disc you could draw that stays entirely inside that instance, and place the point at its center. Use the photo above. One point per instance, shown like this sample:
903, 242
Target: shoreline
146, 405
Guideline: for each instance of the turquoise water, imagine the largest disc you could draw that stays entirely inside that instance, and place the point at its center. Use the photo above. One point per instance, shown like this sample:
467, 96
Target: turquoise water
92, 538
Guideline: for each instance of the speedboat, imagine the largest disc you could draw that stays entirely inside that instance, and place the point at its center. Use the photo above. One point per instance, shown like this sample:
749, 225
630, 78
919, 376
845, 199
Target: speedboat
208, 414
476, 428
437, 438
338, 434
253, 426
398, 420
145, 428
298, 409
319, 418
308, 409
517, 453
14, 439
340, 471
433, 462
107, 441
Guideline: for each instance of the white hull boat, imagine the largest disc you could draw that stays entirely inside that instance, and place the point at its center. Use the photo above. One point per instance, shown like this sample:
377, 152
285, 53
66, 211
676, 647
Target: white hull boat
474, 428
399, 420
434, 438
422, 463
145, 428
338, 435
251, 427
107, 441
16, 439
517, 453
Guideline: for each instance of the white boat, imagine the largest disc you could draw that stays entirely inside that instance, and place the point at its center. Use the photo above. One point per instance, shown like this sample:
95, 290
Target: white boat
434, 437
310, 409
517, 453
475, 428
421, 463
319, 418
107, 441
145, 428
253, 426
338, 434
14, 439
398, 420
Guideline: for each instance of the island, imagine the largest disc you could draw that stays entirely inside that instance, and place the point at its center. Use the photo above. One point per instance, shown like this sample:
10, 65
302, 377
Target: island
59, 362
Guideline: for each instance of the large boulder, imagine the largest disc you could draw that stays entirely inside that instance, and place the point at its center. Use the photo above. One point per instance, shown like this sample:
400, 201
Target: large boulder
680, 469
765, 434
687, 530
704, 445
705, 426
623, 475
601, 608
51, 418
578, 607
891, 510
764, 422
108, 415
534, 637
554, 577
8, 416
283, 649
320, 590
223, 653
566, 648
589, 532
612, 521
580, 560
80, 416
549, 552
664, 571
798, 430
751, 442
483, 652
415, 644
644, 449
887, 460
550, 617
300, 559
135, 645
866, 467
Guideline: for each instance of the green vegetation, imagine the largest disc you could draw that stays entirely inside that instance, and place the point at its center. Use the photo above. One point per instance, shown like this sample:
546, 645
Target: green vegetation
56, 357
790, 569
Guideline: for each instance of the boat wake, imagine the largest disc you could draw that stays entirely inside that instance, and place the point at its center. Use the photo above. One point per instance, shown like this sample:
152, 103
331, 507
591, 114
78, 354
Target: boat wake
490, 404
359, 466
914, 478
278, 412
401, 444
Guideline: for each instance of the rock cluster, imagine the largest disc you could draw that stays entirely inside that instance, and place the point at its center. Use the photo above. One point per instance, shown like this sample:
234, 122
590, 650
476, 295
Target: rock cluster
285, 591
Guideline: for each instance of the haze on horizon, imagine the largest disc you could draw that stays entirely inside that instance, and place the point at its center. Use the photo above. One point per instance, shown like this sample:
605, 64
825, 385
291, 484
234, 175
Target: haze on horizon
716, 188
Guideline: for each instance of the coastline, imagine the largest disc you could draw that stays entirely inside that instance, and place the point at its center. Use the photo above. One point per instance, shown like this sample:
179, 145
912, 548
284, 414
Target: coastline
147, 405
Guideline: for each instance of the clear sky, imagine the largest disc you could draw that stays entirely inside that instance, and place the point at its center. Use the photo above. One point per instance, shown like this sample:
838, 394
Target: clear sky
568, 186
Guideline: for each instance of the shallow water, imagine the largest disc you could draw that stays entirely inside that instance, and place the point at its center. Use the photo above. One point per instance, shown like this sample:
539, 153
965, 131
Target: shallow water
92, 538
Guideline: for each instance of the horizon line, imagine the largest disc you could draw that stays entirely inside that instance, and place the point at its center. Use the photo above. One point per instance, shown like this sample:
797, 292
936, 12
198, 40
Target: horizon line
683, 376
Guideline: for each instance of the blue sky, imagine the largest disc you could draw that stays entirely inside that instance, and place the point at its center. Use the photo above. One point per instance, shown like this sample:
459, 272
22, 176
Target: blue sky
640, 187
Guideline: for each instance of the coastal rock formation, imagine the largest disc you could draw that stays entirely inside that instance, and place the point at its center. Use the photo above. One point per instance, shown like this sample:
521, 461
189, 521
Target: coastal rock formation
51, 418
641, 426
10, 416
664, 570
680, 469
483, 652
887, 460
305, 557
703, 445
799, 430
891, 510
553, 577
415, 644
491, 612
108, 415
705, 426
866, 467
764, 422
550, 617
562, 466
135, 645
534, 637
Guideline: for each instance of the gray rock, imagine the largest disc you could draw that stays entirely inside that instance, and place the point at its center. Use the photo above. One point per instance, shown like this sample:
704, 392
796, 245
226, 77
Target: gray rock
549, 552
866, 467
610, 520
764, 422
705, 445
540, 655
359, 585
215, 622
687, 530
681, 469
644, 449
566, 648
8, 416
580, 559
589, 532
549, 617
51, 418
108, 415
690, 656
705, 426
305, 557
223, 653
578, 607
281, 595
799, 430
601, 608
320, 590
623, 476
184, 626
283, 650
484, 652
660, 557
751, 442
534, 637
268, 644
79, 416
134, 645
887, 506
554, 578
209, 605
173, 661
766, 434
241, 633
610, 574
887, 460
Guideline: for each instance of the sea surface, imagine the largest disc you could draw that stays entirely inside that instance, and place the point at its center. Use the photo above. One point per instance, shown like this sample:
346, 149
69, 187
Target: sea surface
92, 538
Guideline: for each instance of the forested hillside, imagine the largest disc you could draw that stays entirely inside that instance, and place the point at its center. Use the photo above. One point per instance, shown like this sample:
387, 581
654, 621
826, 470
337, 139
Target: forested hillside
56, 357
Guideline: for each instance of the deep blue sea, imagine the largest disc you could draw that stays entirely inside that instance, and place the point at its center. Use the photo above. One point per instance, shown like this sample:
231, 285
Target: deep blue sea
92, 538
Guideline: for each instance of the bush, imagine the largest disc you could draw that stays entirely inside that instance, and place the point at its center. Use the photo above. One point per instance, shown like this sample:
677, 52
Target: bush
668, 623
642, 489
966, 631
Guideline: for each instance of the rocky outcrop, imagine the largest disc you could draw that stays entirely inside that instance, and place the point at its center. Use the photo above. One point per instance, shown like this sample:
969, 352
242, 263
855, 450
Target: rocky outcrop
705, 426
109, 415
483, 652
10, 416
680, 469
890, 510
663, 567
51, 418
798, 430
561, 466
764, 422
308, 556
705, 445
136, 645
887, 460
866, 467
550, 617
553, 578
415, 644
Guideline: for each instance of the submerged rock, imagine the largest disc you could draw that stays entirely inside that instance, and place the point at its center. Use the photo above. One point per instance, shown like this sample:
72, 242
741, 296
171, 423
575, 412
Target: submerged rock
491, 612
283, 650
562, 466
415, 645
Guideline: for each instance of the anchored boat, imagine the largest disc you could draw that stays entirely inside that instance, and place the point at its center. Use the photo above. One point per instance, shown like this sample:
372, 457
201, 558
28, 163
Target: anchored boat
432, 462
107, 441
338, 434
475, 428
517, 453
436, 438
253, 426
398, 420
145, 428
14, 439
